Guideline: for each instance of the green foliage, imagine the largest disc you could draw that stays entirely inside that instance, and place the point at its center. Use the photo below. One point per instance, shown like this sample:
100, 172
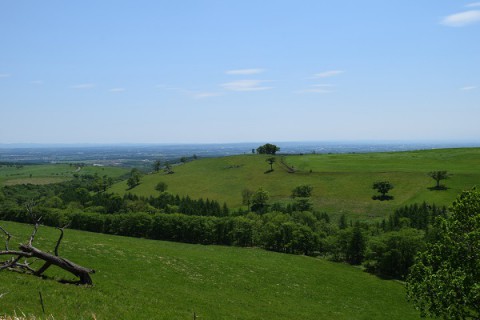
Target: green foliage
439, 176
134, 179
392, 254
259, 200
168, 168
268, 149
271, 161
383, 187
247, 197
414, 216
161, 186
302, 191
157, 165
356, 245
445, 279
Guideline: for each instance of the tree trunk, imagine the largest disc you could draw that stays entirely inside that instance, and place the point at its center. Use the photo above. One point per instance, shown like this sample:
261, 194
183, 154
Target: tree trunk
79, 271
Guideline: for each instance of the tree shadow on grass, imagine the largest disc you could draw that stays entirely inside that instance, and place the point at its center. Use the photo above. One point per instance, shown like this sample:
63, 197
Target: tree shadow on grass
382, 198
439, 188
268, 171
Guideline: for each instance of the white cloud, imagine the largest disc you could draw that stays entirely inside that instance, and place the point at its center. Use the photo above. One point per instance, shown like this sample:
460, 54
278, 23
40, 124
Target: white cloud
468, 88
318, 88
474, 4
244, 71
5, 75
327, 74
83, 86
37, 82
461, 19
117, 90
203, 95
246, 85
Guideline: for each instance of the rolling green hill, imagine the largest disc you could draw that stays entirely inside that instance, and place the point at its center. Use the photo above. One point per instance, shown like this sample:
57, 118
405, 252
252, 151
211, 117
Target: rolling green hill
145, 279
342, 182
51, 173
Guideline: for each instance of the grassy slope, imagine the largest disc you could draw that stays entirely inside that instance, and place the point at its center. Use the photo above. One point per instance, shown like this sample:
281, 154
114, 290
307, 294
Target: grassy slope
145, 279
51, 173
342, 182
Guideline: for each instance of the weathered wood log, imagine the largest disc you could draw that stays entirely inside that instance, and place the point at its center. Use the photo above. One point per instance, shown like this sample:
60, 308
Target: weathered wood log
50, 259
29, 251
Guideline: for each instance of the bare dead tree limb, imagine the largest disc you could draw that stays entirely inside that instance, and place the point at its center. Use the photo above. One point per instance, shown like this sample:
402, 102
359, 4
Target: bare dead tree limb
9, 236
29, 251
60, 238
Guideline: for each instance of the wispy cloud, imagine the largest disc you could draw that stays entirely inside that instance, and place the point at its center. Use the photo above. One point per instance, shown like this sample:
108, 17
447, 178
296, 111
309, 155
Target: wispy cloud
468, 88
37, 82
318, 88
327, 74
462, 19
5, 75
116, 90
244, 71
83, 86
474, 4
246, 85
191, 93
204, 95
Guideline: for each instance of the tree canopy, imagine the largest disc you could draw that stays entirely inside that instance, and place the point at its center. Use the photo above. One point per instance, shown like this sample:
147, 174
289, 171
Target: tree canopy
383, 187
268, 149
445, 279
438, 176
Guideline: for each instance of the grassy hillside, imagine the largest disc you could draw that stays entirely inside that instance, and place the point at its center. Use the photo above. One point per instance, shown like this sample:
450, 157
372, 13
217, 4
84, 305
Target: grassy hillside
144, 279
342, 182
50, 173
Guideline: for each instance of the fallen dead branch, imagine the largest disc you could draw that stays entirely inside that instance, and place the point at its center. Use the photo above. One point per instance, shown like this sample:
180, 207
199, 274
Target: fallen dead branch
27, 251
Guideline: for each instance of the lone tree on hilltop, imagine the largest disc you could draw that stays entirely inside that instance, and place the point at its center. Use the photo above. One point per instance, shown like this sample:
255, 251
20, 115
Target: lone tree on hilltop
444, 281
271, 161
439, 176
383, 187
268, 149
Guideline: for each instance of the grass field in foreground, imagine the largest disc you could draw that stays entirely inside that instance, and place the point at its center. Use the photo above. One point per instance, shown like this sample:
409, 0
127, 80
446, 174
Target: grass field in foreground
145, 279
342, 182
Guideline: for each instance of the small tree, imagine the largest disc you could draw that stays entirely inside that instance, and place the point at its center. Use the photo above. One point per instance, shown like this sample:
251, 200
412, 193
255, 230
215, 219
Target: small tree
134, 179
259, 201
157, 165
302, 191
383, 187
438, 176
247, 197
271, 161
161, 186
356, 246
168, 168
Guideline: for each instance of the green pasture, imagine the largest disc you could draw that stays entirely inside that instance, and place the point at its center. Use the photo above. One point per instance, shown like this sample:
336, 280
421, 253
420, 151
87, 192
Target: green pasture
50, 173
342, 182
146, 279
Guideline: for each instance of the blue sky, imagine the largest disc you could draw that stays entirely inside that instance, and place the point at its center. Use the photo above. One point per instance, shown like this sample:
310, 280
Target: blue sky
235, 71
